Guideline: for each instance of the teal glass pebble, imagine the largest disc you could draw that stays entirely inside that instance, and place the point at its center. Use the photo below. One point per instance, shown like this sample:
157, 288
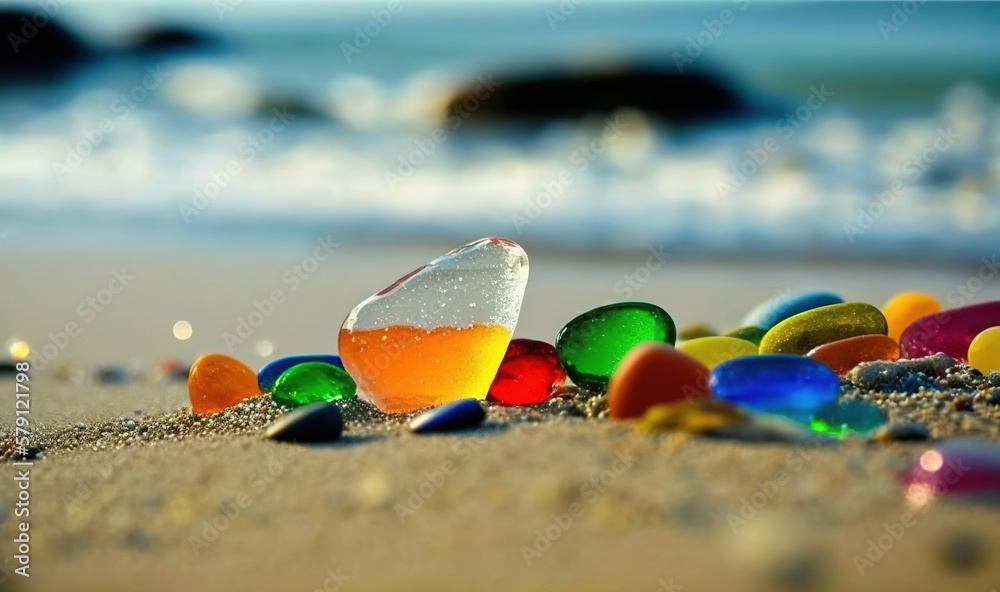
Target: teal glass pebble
843, 418
789, 385
313, 382
591, 346
771, 312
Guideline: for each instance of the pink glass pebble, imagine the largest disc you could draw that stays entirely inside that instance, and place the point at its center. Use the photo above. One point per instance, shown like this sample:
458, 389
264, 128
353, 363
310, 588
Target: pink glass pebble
964, 466
949, 331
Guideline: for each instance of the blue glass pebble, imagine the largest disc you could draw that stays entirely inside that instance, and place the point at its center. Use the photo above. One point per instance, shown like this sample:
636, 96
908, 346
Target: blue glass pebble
457, 415
272, 370
769, 313
790, 385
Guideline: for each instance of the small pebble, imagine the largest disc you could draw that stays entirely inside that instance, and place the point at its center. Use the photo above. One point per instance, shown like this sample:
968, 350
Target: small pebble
810, 329
592, 345
275, 368
463, 414
530, 373
902, 309
653, 374
795, 386
842, 418
712, 351
949, 331
313, 382
771, 312
318, 422
218, 382
904, 431
696, 331
751, 334
695, 417
964, 551
984, 351
843, 355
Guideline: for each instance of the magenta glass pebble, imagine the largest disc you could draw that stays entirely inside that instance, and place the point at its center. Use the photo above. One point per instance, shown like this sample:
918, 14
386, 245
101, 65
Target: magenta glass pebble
964, 466
949, 331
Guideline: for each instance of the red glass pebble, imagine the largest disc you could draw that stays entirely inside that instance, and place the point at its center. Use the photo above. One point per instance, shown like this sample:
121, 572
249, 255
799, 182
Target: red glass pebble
529, 373
949, 331
843, 355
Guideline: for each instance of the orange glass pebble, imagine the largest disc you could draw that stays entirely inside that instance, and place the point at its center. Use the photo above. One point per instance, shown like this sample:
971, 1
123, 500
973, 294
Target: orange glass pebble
448, 361
902, 309
217, 382
843, 355
654, 374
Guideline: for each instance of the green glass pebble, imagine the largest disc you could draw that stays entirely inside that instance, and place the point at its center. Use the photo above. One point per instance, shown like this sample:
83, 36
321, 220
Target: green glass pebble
591, 346
801, 333
843, 418
313, 382
751, 334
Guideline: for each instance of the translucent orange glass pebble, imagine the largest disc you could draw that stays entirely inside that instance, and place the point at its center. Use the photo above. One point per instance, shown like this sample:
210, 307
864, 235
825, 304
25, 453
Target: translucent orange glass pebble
902, 309
843, 355
217, 382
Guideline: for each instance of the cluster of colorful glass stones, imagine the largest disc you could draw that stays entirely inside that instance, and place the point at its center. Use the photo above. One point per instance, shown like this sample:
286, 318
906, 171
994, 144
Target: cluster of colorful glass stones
442, 334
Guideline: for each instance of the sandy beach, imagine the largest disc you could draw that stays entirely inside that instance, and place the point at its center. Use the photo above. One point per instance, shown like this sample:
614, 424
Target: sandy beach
600, 505
537, 499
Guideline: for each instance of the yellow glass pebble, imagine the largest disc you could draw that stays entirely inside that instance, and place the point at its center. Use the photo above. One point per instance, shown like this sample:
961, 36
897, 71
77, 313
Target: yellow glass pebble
712, 351
984, 351
902, 309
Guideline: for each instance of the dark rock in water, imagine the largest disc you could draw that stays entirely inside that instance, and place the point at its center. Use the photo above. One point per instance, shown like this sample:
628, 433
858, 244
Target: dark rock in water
35, 47
458, 415
171, 39
319, 422
288, 108
677, 97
